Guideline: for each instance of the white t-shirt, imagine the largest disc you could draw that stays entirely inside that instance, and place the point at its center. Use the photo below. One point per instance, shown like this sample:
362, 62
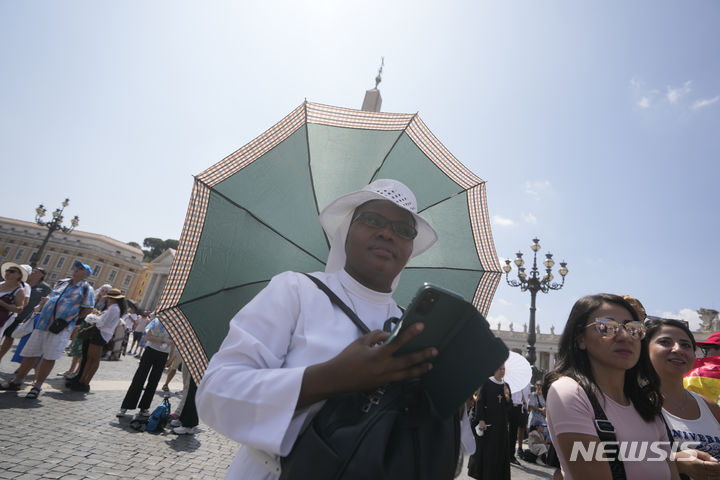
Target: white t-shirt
129, 320
106, 322
252, 384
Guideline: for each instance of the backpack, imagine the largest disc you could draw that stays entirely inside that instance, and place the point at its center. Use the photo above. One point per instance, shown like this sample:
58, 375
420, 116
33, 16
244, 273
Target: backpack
159, 418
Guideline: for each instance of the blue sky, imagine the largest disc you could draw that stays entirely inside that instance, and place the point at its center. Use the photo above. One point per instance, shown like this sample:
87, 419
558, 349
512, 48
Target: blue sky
595, 124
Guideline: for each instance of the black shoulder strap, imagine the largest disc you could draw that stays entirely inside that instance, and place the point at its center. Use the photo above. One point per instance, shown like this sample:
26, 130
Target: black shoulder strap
606, 433
336, 300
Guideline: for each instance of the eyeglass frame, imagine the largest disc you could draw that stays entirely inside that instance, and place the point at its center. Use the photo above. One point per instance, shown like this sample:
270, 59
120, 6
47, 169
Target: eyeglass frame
607, 333
385, 221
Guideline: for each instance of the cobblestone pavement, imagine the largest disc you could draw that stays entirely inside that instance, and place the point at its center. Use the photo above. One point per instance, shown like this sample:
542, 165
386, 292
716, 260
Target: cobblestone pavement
72, 435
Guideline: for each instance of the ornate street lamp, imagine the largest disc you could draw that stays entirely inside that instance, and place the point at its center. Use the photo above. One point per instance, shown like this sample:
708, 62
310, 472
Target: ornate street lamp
52, 226
535, 284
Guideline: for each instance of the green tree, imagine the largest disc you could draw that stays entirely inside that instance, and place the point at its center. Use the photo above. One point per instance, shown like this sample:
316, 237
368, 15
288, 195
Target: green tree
155, 246
134, 244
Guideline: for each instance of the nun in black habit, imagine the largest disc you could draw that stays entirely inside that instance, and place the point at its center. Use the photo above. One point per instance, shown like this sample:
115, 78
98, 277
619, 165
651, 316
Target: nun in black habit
489, 416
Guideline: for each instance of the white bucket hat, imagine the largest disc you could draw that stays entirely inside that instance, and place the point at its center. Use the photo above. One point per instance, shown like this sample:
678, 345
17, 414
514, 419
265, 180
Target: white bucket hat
23, 272
336, 217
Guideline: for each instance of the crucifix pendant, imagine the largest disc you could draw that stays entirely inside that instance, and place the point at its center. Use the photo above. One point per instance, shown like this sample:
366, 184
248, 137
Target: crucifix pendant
500, 398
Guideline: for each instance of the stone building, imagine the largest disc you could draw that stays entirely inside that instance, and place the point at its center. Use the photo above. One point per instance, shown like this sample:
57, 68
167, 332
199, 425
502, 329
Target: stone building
112, 261
156, 276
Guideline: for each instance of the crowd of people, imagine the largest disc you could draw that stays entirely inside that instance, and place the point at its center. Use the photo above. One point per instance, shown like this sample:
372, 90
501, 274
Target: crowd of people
88, 325
306, 340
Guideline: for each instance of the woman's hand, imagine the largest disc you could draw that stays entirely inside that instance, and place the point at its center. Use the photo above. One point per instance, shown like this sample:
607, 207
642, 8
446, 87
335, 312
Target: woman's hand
361, 366
697, 465
482, 425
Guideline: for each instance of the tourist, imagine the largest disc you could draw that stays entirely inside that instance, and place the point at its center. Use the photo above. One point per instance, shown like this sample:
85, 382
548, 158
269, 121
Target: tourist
692, 418
69, 301
603, 369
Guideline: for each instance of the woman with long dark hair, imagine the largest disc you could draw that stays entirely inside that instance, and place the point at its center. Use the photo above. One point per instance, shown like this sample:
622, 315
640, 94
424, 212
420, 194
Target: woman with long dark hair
692, 418
101, 331
603, 369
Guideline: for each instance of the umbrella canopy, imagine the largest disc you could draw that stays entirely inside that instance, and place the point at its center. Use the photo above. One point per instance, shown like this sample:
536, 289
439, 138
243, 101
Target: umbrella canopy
255, 214
518, 372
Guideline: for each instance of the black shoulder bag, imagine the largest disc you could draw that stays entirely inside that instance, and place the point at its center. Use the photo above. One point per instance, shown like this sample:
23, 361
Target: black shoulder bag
390, 433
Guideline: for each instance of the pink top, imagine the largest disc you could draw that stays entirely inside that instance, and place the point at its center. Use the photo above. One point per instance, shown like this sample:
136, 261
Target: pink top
569, 411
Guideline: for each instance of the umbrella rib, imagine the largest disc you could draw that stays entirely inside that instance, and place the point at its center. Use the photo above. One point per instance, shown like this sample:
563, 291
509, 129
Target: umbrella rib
261, 222
207, 295
397, 139
312, 181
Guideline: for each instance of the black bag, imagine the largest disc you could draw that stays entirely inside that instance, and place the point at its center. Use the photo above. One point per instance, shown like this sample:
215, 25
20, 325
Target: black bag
551, 457
58, 325
391, 433
528, 456
85, 332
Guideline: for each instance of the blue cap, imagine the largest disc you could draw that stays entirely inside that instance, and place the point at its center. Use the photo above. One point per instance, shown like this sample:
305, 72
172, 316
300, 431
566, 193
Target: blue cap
87, 268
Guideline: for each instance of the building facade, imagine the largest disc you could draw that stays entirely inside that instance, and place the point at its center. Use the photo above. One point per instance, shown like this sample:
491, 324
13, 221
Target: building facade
113, 262
156, 277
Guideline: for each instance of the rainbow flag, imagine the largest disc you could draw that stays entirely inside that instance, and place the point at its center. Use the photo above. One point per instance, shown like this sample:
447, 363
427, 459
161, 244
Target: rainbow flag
704, 378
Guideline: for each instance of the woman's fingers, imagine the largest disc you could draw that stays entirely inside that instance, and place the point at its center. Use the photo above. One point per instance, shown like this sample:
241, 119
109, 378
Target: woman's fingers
405, 336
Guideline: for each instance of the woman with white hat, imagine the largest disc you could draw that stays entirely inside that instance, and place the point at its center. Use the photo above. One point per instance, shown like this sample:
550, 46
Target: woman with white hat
289, 348
12, 292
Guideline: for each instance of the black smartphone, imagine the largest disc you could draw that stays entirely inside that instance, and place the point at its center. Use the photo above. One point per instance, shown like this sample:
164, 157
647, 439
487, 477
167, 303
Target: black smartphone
439, 310
468, 351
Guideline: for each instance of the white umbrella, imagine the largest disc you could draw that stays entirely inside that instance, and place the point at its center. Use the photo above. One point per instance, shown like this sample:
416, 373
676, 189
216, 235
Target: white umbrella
518, 372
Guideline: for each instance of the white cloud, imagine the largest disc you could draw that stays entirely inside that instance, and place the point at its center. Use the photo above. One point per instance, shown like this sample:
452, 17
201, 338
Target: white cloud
530, 218
644, 102
493, 320
537, 188
675, 94
502, 221
636, 83
503, 302
705, 102
687, 314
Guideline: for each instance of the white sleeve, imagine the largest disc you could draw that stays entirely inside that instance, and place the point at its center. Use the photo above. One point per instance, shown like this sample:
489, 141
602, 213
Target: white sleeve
109, 317
246, 394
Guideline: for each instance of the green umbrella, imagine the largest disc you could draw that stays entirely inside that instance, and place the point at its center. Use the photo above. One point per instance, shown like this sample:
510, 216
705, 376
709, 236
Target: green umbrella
255, 214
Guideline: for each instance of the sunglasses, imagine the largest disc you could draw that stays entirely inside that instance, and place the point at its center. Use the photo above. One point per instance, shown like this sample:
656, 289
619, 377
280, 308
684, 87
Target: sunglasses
375, 220
610, 327
12, 270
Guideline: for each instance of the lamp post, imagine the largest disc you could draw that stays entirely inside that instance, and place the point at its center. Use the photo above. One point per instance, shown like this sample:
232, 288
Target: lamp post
535, 284
52, 226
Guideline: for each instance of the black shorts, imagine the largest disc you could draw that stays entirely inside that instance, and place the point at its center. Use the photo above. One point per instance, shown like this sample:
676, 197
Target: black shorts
96, 338
11, 328
137, 336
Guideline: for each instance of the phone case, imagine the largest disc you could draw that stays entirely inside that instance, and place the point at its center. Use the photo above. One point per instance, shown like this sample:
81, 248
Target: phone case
468, 351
